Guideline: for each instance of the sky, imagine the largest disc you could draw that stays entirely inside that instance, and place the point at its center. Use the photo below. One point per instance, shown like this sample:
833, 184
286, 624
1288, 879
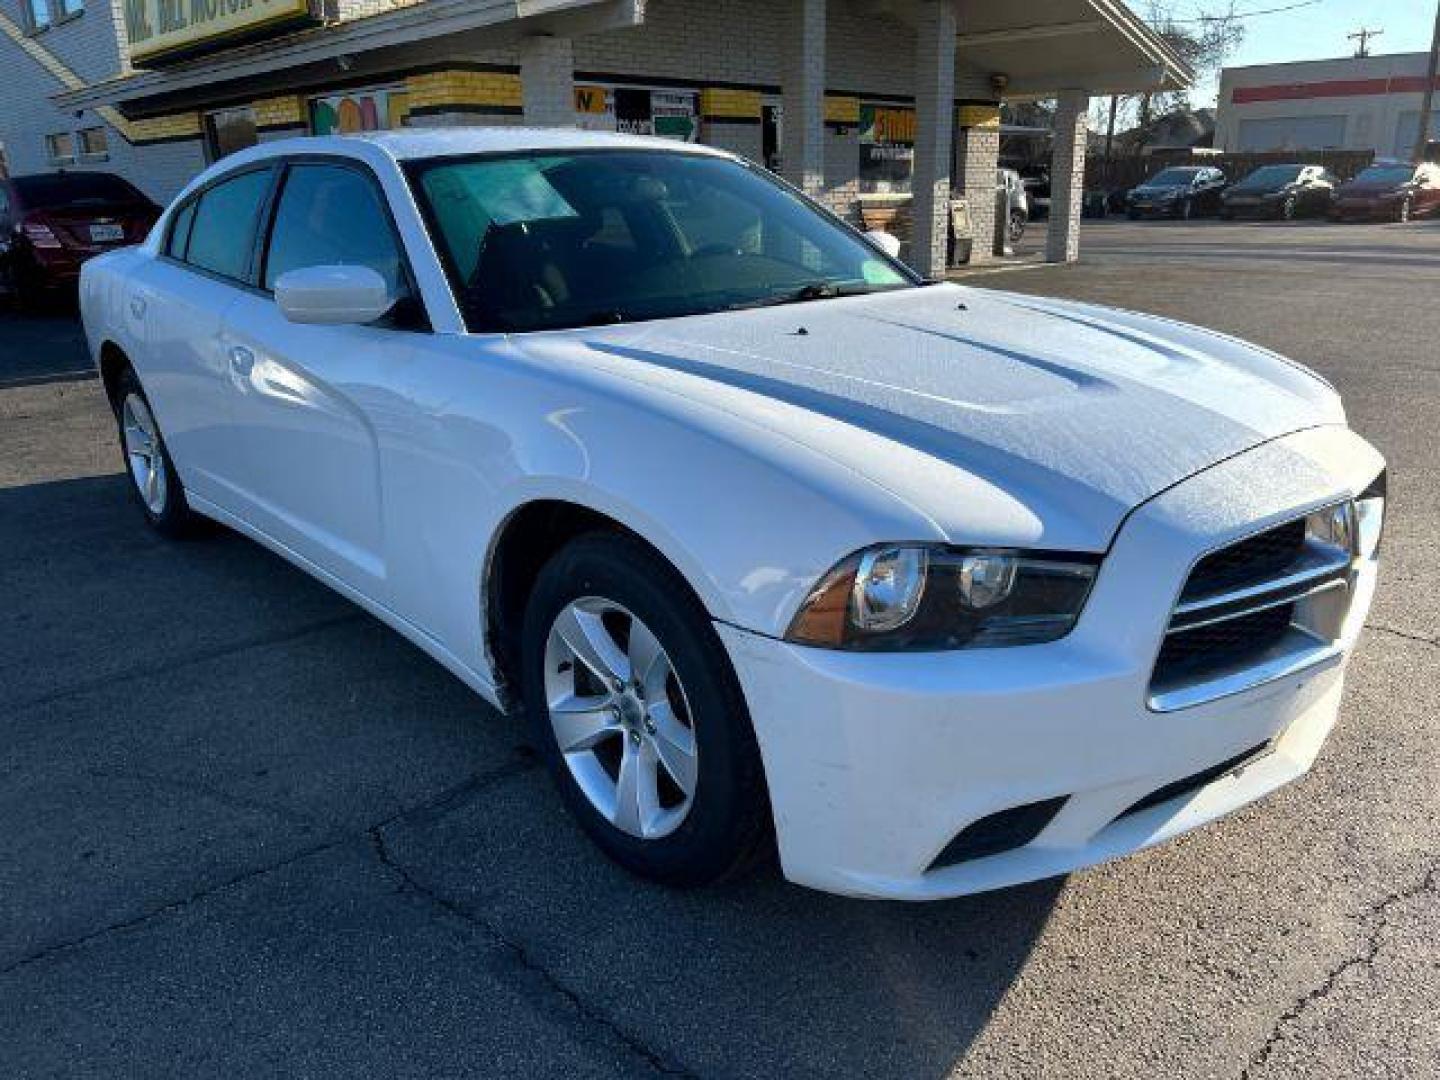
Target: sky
1315, 31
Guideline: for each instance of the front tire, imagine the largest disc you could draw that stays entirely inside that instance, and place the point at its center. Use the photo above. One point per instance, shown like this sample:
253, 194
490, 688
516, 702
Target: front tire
1405, 211
1016, 231
639, 716
154, 482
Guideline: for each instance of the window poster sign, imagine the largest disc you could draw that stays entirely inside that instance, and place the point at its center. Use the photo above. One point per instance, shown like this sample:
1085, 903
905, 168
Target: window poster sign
671, 114
359, 110
887, 147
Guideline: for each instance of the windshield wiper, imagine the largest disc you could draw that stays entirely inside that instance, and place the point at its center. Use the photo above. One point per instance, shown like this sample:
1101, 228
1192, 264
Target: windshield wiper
815, 290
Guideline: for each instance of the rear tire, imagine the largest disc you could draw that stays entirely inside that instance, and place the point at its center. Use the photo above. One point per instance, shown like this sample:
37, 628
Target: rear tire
631, 613
154, 483
1287, 209
1016, 231
1405, 211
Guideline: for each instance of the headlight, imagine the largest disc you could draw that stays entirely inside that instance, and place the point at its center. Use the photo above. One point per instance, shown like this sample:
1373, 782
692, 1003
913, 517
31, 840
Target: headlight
927, 598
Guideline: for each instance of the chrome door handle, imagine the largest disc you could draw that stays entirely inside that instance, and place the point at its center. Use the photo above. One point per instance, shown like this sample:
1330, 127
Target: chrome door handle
242, 360
137, 306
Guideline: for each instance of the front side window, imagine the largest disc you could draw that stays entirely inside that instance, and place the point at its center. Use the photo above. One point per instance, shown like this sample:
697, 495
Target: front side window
223, 231
330, 215
551, 240
68, 8
39, 12
1386, 174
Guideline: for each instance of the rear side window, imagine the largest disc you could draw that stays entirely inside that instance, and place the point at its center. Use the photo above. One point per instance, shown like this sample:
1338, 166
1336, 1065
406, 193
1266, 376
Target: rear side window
222, 233
331, 215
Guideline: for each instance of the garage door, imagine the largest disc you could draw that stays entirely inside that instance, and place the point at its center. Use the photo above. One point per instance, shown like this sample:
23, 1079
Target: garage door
1293, 133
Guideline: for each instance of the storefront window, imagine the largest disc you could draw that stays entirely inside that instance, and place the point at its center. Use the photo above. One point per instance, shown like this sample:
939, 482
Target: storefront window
635, 110
372, 109
229, 130
887, 148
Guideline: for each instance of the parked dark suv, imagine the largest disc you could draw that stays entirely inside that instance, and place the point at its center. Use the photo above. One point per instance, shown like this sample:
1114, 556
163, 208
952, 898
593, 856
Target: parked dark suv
1394, 192
1181, 191
1281, 191
50, 223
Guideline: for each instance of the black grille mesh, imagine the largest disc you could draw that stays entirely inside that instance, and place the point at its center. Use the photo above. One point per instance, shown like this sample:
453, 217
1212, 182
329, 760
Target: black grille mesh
1223, 643
1253, 561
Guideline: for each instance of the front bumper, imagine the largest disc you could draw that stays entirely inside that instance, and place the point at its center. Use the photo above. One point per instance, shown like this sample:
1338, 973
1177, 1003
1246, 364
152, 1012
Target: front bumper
876, 762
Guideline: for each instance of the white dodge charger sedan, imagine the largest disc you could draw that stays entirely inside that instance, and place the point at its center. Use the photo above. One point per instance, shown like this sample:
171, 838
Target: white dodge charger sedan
936, 589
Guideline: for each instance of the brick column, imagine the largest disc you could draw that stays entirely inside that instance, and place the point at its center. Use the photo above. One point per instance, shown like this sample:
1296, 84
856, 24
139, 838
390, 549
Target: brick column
1067, 177
977, 158
547, 81
934, 130
802, 129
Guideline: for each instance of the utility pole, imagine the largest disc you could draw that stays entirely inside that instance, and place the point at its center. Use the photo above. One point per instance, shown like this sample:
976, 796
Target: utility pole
1363, 35
1427, 104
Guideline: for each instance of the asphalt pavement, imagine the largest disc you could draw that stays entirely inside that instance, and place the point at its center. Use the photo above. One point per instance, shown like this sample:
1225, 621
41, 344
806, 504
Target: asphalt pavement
247, 830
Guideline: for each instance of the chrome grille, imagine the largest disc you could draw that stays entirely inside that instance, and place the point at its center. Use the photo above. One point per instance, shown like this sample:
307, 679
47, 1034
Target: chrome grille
1251, 610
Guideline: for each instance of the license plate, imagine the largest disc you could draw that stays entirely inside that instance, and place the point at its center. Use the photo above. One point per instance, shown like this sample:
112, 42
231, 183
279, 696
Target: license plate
107, 234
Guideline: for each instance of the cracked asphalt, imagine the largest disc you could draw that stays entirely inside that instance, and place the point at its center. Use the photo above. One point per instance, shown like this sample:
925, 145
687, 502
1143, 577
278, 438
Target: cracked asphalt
246, 830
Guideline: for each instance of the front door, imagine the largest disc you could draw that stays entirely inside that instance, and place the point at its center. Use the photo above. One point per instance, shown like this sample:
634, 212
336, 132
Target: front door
308, 400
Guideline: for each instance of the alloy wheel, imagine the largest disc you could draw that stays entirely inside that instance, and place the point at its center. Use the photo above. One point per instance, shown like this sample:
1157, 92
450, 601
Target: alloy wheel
143, 452
620, 717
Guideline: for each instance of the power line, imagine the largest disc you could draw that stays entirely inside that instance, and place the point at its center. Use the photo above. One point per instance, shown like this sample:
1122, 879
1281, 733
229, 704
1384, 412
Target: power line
1236, 16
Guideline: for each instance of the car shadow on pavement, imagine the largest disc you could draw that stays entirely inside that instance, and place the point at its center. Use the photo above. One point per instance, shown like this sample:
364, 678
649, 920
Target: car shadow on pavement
183, 722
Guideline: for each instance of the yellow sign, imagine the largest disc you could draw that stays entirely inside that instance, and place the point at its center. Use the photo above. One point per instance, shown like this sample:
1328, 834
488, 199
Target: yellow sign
159, 27
981, 116
590, 100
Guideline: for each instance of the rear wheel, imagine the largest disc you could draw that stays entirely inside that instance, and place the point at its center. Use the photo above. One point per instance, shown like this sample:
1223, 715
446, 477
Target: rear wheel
638, 715
1406, 209
1186, 209
1287, 209
153, 480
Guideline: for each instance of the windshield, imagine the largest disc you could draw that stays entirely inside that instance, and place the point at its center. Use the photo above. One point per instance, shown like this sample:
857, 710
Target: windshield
73, 189
1273, 175
1386, 174
1173, 177
543, 241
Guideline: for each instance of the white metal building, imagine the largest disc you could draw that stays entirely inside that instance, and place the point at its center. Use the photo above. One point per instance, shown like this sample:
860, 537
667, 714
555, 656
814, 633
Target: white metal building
1352, 103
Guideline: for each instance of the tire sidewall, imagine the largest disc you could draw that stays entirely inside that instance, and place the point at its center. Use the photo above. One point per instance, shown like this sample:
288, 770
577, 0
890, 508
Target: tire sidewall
717, 834
174, 518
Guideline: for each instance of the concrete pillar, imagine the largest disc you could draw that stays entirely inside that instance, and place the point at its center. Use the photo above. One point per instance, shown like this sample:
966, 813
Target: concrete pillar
1067, 177
934, 130
547, 81
802, 129
977, 157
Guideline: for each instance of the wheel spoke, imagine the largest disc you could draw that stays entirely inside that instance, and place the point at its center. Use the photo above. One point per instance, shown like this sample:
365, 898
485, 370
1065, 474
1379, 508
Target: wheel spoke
649, 665
586, 636
582, 723
674, 746
636, 795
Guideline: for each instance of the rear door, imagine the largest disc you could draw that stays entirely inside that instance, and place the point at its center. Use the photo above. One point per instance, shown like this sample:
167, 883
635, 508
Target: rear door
309, 400
206, 264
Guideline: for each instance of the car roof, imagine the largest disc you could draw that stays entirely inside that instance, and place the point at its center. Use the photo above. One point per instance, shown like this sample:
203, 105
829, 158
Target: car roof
412, 143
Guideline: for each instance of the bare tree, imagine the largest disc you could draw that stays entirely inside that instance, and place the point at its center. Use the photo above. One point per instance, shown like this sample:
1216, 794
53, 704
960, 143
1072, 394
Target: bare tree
1203, 40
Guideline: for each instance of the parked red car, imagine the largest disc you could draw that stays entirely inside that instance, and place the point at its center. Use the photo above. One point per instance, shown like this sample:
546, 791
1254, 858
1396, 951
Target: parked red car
50, 223
1394, 192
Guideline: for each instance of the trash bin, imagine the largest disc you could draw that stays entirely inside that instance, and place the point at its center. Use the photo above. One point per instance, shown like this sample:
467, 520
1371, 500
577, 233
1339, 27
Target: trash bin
962, 234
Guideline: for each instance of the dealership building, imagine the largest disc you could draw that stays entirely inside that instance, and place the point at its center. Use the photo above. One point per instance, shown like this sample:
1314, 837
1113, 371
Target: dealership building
883, 109
1355, 103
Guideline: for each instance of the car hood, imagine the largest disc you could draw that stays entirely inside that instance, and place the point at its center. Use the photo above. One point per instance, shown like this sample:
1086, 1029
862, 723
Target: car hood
1368, 191
1261, 189
1153, 192
1074, 414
